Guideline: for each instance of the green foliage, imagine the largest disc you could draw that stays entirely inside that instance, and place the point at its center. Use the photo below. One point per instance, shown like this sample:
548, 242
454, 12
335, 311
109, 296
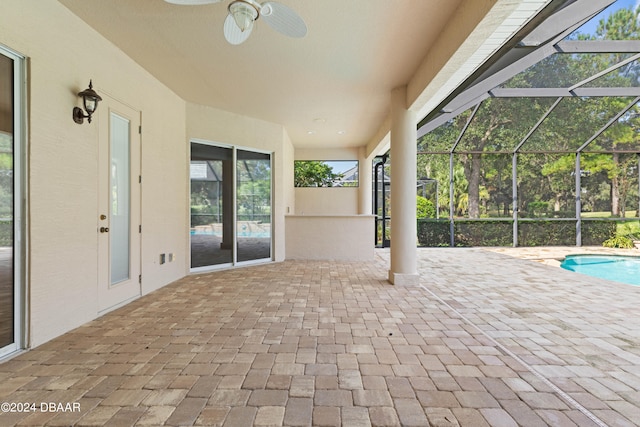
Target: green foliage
499, 233
630, 229
546, 181
432, 233
595, 232
483, 233
537, 208
481, 164
547, 233
253, 195
622, 242
424, 208
313, 174
6, 233
387, 233
622, 235
621, 25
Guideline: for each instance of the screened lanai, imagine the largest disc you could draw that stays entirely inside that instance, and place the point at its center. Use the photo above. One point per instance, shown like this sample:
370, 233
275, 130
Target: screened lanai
540, 147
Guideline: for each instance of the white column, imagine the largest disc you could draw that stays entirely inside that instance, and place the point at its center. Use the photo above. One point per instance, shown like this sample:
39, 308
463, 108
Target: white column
365, 187
404, 254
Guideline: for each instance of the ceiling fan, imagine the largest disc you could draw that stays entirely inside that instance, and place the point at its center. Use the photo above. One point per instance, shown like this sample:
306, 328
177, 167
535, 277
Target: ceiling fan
243, 13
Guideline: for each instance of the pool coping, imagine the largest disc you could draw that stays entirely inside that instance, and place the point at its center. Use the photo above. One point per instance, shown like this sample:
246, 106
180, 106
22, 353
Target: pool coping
554, 255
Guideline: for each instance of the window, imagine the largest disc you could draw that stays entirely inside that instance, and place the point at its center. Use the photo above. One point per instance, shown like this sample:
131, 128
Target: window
319, 173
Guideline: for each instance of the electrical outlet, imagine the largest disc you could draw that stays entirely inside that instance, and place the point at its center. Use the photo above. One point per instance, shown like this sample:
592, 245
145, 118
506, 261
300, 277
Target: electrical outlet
171, 257
162, 258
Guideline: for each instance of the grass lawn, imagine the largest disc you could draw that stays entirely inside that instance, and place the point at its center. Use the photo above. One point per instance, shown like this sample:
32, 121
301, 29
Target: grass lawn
628, 214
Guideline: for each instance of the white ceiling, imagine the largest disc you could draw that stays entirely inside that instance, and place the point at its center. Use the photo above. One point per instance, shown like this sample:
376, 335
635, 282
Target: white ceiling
336, 79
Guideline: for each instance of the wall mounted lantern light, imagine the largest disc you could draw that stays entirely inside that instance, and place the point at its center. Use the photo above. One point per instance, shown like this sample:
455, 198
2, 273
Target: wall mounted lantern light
90, 100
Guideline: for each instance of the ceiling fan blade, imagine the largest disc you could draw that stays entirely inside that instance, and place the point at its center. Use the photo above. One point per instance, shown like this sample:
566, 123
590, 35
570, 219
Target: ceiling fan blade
283, 19
233, 33
192, 2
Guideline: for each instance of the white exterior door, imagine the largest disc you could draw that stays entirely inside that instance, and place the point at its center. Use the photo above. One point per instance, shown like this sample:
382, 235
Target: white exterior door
118, 222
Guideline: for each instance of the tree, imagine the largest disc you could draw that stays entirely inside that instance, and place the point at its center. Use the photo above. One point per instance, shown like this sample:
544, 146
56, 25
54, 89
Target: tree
424, 208
620, 25
546, 162
314, 174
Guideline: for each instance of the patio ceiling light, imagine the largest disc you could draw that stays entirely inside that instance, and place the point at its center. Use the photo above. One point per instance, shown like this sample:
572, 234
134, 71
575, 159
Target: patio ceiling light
244, 14
90, 101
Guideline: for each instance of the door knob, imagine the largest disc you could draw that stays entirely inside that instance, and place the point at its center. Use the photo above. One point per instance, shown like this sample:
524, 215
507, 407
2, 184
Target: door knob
104, 229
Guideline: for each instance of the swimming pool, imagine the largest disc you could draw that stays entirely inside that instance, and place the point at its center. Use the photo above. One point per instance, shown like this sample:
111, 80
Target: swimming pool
625, 269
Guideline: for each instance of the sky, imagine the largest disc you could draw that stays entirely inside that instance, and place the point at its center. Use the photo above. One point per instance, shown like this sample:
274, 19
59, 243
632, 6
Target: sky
342, 165
589, 28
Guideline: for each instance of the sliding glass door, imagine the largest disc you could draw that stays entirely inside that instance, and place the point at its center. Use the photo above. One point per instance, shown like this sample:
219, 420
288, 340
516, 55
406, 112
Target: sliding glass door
253, 205
230, 206
211, 205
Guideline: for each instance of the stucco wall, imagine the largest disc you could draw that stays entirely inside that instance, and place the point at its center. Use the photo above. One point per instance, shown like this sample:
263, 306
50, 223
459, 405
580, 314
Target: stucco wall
327, 201
341, 237
63, 54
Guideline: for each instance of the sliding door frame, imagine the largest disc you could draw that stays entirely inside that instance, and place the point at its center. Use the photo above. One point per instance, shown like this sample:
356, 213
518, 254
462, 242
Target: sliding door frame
20, 250
234, 261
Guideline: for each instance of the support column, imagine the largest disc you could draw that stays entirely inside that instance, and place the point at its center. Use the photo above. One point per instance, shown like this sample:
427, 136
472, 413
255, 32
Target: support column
365, 187
404, 253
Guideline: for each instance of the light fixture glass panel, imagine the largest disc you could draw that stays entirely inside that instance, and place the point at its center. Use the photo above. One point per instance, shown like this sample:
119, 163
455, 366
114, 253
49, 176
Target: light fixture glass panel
243, 15
89, 105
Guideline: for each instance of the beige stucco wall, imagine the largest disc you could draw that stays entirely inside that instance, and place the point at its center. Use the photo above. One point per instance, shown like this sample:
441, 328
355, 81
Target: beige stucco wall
327, 201
221, 127
63, 54
323, 237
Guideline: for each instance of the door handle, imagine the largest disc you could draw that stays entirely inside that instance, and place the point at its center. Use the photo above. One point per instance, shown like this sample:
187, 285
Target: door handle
104, 229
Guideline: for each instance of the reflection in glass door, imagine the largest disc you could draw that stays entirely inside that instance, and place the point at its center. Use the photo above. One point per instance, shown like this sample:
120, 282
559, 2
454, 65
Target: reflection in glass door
10, 196
230, 206
6, 203
211, 172
253, 199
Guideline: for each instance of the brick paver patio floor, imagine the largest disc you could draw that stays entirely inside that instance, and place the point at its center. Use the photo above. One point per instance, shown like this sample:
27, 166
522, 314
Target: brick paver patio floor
486, 339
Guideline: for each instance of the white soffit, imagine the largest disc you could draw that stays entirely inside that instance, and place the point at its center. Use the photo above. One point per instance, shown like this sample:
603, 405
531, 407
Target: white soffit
498, 26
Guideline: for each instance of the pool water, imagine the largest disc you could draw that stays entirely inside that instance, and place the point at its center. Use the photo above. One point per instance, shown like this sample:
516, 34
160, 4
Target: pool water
624, 269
